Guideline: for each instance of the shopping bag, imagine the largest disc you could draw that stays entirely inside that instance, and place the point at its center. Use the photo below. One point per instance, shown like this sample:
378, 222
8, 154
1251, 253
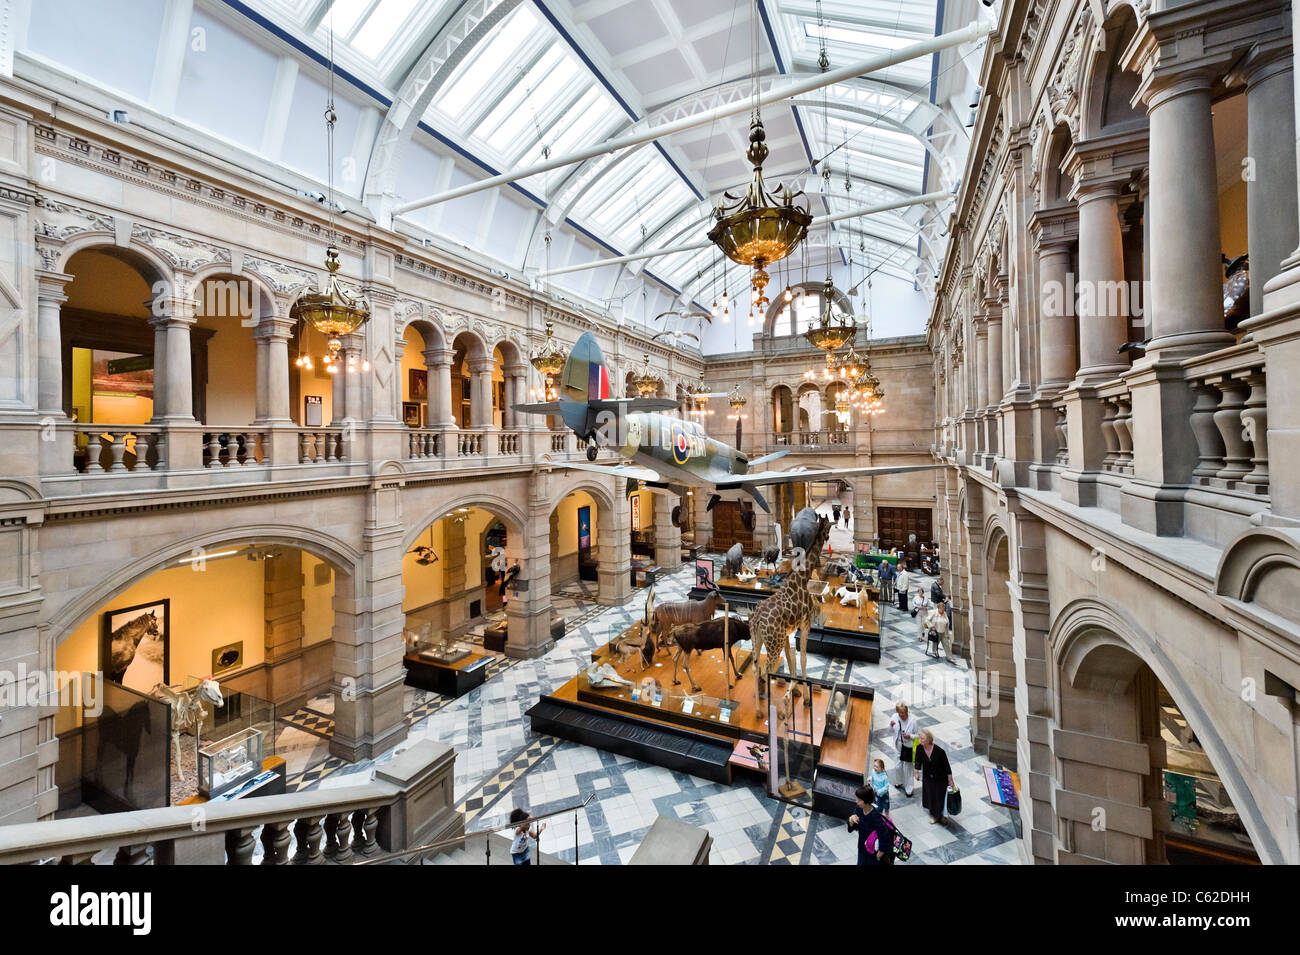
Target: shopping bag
954, 801
896, 774
902, 844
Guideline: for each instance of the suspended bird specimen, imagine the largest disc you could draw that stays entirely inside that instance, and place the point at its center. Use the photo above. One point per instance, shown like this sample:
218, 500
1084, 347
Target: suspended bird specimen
424, 555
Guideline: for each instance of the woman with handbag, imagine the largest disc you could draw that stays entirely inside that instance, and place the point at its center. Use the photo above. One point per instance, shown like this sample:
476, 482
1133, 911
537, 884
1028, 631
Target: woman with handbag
904, 726
935, 774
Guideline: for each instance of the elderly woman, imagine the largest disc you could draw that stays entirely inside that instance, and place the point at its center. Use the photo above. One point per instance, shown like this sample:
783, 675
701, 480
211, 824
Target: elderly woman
904, 726
935, 774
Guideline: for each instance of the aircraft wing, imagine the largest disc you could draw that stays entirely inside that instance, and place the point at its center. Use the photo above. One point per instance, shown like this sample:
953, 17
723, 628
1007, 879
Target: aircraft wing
633, 404
798, 476
615, 470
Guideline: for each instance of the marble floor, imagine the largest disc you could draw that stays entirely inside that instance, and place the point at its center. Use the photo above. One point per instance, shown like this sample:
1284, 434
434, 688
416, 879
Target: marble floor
501, 763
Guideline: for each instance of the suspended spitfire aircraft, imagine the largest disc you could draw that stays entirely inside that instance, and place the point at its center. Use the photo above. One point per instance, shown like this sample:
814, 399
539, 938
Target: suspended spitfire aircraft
665, 450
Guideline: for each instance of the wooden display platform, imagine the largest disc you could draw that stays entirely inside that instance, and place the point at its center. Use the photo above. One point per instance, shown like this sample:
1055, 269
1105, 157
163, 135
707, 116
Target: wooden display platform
449, 679
846, 632
689, 731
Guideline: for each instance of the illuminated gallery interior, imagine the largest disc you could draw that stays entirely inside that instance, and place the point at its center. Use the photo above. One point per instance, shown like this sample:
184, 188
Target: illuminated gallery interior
666, 421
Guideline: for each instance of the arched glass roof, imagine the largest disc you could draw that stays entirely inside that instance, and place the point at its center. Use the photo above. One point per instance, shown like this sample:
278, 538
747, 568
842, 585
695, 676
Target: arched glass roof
498, 84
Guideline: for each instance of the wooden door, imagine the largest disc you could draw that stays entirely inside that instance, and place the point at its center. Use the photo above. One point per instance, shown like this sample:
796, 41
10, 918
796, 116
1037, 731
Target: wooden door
729, 527
904, 527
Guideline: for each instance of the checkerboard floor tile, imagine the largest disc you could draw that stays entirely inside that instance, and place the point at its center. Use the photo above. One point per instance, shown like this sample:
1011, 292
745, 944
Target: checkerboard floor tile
501, 764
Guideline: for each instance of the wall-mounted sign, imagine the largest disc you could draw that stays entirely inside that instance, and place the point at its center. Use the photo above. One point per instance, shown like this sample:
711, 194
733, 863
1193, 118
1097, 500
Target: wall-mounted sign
313, 411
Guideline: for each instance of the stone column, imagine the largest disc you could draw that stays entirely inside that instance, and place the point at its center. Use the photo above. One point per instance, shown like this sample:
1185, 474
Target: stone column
284, 633
1273, 214
995, 388
1186, 249
177, 384
668, 537
369, 675
272, 337
438, 362
980, 381
516, 394
614, 538
1103, 327
699, 498
454, 575
51, 288
481, 369
528, 615
354, 395
1058, 357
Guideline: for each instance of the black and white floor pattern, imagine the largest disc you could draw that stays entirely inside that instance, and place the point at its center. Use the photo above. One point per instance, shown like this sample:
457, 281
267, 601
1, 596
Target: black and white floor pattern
501, 764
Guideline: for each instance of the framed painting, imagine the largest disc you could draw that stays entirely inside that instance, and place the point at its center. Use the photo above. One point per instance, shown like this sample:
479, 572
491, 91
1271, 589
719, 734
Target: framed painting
418, 381
411, 413
136, 650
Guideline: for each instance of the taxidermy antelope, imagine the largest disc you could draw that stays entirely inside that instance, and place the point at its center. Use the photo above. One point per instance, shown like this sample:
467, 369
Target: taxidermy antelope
188, 712
675, 613
697, 637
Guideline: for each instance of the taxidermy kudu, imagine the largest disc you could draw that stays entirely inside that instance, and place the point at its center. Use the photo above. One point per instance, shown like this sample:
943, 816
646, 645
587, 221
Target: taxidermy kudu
792, 607
697, 637
674, 613
126, 640
188, 712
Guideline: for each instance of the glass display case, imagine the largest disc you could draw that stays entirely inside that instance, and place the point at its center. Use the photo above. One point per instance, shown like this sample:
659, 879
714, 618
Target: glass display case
442, 649
230, 761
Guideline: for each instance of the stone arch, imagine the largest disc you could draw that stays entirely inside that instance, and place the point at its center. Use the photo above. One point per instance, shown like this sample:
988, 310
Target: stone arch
343, 557
216, 270
1261, 567
1054, 183
510, 512
999, 662
1106, 89
1099, 648
430, 331
151, 265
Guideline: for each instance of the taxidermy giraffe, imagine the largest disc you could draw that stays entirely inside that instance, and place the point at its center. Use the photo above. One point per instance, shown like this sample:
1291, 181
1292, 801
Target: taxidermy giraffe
790, 608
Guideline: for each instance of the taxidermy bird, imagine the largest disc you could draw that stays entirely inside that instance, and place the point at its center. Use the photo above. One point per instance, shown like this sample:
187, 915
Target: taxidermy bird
424, 555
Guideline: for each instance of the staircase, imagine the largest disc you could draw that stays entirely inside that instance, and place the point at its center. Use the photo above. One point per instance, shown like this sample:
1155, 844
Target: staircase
474, 852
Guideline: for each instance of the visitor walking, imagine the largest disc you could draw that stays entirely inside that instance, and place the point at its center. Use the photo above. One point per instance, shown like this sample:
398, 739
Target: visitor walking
904, 726
902, 581
520, 851
935, 774
919, 603
936, 621
880, 783
869, 821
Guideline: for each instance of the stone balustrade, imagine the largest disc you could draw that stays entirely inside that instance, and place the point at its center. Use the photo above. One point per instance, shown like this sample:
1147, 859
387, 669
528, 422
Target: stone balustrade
119, 448
423, 444
510, 443
321, 446
225, 449
1117, 427
408, 803
1230, 419
811, 440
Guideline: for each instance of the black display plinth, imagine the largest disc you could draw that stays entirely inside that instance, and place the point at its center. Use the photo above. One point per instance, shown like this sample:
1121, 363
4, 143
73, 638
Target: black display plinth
453, 680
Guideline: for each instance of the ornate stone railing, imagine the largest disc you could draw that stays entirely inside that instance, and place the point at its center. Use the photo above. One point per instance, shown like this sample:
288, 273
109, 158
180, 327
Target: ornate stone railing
225, 449
1117, 427
423, 444
1062, 429
811, 440
469, 444
1230, 419
120, 448
321, 446
510, 442
408, 803
558, 442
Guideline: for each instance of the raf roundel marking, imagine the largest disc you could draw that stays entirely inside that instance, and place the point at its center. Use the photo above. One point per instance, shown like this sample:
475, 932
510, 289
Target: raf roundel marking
681, 447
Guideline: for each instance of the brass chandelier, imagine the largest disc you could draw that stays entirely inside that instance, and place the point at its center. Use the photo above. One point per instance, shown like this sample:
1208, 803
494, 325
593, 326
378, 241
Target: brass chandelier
831, 331
337, 310
759, 227
699, 398
549, 360
646, 384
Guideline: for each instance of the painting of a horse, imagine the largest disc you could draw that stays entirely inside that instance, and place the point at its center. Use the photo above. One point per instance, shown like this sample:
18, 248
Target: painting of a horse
135, 645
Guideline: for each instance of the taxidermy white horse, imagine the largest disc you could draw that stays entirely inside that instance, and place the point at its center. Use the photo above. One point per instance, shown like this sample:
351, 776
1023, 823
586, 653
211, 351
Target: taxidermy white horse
188, 712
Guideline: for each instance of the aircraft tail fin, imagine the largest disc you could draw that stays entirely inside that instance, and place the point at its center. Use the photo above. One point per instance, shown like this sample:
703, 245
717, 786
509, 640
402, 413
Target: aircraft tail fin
585, 377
